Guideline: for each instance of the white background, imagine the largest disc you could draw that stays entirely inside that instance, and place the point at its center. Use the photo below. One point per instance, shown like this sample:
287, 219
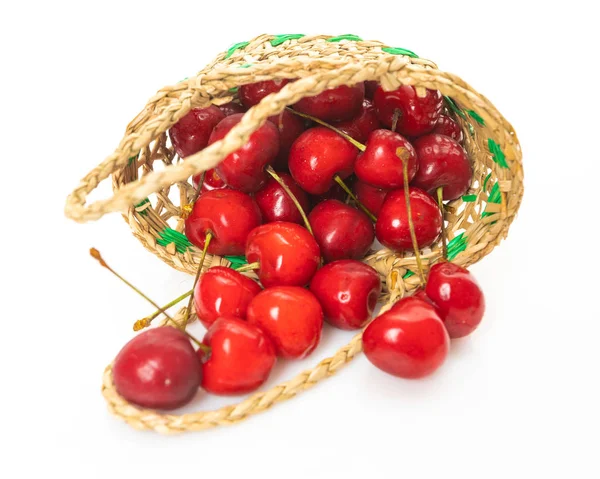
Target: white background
518, 399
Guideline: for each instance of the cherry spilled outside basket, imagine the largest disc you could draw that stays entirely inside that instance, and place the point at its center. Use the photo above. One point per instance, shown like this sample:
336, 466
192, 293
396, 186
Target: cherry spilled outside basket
152, 184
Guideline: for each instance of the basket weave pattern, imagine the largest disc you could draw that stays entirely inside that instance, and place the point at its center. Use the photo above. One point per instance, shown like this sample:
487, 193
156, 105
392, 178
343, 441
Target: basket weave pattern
151, 183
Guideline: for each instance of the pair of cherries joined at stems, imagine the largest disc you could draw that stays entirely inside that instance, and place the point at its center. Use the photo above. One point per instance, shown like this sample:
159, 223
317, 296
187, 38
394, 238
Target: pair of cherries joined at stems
247, 326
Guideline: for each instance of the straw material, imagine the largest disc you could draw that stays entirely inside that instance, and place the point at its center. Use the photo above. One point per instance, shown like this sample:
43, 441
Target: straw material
148, 174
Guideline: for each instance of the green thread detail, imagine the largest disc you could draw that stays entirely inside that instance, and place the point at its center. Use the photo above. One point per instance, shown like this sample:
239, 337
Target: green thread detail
236, 261
140, 204
183, 80
347, 36
246, 65
495, 197
471, 129
469, 198
485, 182
408, 274
132, 160
235, 47
169, 235
497, 153
400, 51
473, 114
454, 107
456, 246
233, 90
279, 39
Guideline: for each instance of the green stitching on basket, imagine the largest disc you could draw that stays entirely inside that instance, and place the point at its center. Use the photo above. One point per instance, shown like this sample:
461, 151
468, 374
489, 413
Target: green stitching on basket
454, 107
140, 204
497, 153
132, 160
456, 246
400, 51
246, 65
233, 90
408, 274
236, 261
485, 182
495, 197
473, 114
235, 47
169, 235
279, 39
347, 36
469, 198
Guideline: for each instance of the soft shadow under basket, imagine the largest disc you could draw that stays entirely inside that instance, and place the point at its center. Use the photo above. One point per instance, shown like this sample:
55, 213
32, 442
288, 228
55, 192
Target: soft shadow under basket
151, 183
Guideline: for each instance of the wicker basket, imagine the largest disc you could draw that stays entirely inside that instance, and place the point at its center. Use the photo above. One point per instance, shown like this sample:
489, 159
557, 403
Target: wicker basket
151, 183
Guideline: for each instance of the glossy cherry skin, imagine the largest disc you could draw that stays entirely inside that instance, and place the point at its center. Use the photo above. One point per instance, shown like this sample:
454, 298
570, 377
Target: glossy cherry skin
317, 156
380, 166
276, 205
212, 181
342, 232
442, 162
370, 88
336, 104
191, 133
458, 297
290, 127
291, 316
370, 196
287, 253
232, 108
409, 341
348, 291
221, 292
253, 93
416, 115
244, 168
392, 228
240, 360
157, 369
229, 215
447, 126
362, 124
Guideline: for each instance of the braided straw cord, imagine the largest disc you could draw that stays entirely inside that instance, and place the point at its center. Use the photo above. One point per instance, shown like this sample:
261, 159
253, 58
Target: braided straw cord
148, 174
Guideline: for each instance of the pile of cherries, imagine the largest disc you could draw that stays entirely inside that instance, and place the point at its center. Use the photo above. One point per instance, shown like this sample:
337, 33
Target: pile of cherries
282, 201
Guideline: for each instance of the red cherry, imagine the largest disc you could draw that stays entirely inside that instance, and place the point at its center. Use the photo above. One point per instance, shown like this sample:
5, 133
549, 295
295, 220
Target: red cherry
342, 232
317, 156
276, 205
408, 341
370, 88
290, 127
370, 196
363, 124
392, 227
442, 162
447, 126
380, 166
287, 253
212, 181
191, 133
416, 115
291, 316
221, 292
244, 168
229, 215
336, 192
253, 93
423, 297
337, 104
458, 297
241, 357
348, 291
157, 369
232, 108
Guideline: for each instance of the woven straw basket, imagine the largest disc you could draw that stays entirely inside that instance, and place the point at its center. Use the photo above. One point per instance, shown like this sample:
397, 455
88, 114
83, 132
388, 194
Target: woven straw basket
151, 183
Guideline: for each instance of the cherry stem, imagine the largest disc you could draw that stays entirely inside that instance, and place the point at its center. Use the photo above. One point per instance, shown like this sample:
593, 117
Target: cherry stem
97, 256
395, 119
248, 267
145, 322
292, 196
440, 197
198, 273
340, 182
404, 156
357, 144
